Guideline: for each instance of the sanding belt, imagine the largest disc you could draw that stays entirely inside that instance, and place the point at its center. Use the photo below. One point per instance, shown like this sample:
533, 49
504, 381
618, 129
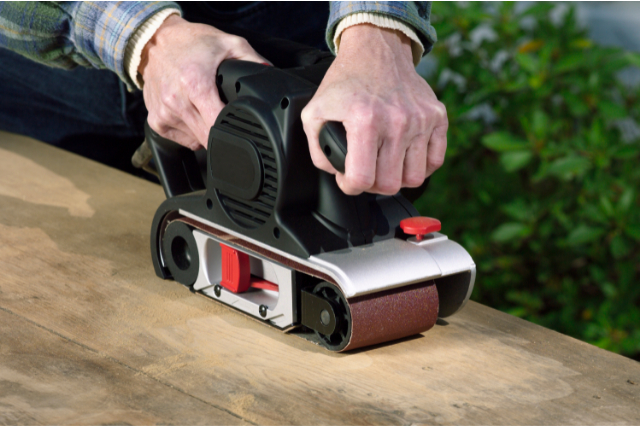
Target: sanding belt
375, 318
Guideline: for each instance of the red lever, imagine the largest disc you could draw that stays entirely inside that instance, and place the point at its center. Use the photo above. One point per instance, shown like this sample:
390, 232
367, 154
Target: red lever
259, 283
236, 270
420, 225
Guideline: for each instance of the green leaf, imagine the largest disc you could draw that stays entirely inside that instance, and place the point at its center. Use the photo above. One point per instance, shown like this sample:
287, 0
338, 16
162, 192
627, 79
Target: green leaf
569, 62
503, 141
576, 105
612, 110
515, 160
597, 273
584, 234
625, 201
518, 210
627, 152
606, 205
514, 85
517, 311
633, 231
619, 247
608, 289
509, 231
539, 9
527, 62
633, 58
595, 133
569, 166
615, 64
540, 124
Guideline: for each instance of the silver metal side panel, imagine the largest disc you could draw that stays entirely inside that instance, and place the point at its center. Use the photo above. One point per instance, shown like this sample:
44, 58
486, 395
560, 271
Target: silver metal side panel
279, 304
449, 255
382, 265
379, 266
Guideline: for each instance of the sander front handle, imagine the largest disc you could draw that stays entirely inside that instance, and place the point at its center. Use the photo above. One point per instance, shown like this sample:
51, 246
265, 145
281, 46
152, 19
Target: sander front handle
333, 142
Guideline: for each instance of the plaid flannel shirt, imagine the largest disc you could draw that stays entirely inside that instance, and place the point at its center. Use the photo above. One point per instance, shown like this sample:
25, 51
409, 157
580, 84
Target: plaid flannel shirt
95, 34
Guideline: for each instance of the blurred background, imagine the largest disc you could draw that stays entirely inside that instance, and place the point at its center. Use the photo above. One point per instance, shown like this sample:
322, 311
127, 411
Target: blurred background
542, 173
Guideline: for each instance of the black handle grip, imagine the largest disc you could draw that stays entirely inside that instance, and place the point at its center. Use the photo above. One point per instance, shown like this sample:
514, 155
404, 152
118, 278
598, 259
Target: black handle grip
178, 167
333, 142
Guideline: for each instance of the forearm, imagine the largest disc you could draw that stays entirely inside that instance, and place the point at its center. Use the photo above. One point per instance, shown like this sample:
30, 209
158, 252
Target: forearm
68, 34
410, 18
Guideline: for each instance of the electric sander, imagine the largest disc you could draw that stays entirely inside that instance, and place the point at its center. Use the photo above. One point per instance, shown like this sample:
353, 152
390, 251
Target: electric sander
251, 223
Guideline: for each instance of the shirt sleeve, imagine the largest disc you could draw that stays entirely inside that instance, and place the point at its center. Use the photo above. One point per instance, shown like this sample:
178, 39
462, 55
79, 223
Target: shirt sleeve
68, 34
415, 15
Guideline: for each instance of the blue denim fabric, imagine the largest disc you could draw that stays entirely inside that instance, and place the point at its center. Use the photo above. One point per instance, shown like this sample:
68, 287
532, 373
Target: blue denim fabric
90, 112
86, 111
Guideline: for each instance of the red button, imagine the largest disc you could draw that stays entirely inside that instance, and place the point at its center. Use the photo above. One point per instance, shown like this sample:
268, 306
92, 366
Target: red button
420, 225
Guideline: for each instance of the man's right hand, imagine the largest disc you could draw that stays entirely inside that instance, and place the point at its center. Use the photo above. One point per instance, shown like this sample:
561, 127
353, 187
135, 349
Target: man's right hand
179, 67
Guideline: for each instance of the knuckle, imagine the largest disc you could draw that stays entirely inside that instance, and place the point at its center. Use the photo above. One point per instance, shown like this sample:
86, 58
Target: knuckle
308, 113
360, 181
164, 117
192, 145
239, 42
189, 76
169, 99
414, 179
439, 110
434, 162
158, 123
363, 116
399, 118
422, 116
388, 187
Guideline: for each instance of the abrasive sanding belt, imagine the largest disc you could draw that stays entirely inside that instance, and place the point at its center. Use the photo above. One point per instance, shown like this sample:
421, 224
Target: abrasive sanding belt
375, 318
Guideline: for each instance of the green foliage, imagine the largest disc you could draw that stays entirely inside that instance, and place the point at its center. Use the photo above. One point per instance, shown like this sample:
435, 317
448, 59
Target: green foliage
543, 191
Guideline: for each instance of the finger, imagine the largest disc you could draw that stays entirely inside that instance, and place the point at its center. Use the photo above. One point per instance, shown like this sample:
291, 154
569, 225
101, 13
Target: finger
436, 149
196, 123
389, 168
186, 136
312, 123
360, 163
189, 120
183, 138
241, 49
415, 163
178, 112
438, 141
205, 107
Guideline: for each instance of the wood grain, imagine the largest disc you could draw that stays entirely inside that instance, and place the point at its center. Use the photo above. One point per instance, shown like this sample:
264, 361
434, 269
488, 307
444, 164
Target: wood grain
78, 294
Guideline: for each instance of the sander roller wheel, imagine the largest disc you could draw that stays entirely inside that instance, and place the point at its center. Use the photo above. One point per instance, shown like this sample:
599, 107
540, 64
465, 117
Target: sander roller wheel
376, 318
180, 252
341, 316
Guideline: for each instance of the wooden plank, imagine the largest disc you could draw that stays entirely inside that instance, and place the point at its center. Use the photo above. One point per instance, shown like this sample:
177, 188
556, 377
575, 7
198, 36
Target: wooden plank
46, 378
74, 259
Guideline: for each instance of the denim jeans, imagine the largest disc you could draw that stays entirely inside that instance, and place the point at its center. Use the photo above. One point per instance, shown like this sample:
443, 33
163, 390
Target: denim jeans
90, 112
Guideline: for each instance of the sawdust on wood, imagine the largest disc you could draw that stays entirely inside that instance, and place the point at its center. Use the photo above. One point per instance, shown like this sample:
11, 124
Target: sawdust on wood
26, 180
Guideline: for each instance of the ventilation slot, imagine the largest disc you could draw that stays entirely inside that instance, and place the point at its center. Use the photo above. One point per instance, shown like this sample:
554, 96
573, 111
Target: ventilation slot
253, 213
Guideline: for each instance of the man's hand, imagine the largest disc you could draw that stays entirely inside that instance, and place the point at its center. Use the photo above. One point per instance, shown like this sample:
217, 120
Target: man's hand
396, 127
179, 67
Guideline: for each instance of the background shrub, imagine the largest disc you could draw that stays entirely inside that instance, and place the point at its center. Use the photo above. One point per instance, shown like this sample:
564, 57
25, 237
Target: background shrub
542, 173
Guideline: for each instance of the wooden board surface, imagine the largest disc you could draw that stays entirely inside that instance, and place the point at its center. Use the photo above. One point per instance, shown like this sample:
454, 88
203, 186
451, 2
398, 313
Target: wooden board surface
89, 334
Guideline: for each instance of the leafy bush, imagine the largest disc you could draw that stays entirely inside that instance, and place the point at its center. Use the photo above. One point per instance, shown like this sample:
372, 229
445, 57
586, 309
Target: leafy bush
542, 173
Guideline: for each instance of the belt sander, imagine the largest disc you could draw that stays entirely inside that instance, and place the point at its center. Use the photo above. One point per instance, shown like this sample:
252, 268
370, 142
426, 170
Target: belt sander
251, 223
